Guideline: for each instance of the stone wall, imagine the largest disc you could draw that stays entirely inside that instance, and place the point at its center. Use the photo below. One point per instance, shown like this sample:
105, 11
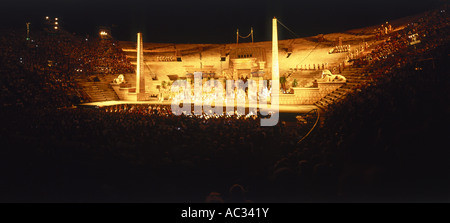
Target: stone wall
309, 96
327, 87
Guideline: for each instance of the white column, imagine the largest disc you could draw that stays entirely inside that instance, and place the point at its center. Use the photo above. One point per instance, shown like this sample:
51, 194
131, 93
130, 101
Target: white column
275, 66
140, 76
274, 101
138, 67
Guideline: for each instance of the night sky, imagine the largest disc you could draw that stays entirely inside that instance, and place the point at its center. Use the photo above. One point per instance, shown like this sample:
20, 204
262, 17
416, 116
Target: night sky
212, 21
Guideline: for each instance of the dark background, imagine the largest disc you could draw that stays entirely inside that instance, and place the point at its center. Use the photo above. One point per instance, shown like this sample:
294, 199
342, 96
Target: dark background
212, 21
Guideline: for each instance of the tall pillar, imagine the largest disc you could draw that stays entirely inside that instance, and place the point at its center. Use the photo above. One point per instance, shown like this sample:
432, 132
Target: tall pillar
274, 99
275, 66
140, 77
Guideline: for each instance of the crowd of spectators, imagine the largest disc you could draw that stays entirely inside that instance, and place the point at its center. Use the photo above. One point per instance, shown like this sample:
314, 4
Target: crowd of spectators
191, 154
383, 142
42, 70
29, 79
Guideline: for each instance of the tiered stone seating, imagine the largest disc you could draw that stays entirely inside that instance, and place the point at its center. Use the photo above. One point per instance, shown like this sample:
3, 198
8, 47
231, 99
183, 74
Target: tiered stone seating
99, 91
355, 78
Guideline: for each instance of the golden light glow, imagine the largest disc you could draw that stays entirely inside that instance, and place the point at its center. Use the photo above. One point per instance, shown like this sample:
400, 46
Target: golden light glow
46, 17
56, 27
56, 23
56, 19
103, 33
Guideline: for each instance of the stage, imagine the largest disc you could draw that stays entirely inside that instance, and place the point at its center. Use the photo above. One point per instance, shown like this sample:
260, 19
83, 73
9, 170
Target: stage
302, 109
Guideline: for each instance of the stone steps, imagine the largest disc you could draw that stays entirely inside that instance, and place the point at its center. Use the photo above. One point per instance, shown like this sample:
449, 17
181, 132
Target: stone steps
99, 91
355, 77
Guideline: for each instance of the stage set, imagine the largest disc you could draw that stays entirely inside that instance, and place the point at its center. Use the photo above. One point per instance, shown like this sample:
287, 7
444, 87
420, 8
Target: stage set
310, 78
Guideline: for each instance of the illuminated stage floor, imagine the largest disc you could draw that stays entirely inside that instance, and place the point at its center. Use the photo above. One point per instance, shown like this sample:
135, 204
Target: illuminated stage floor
283, 108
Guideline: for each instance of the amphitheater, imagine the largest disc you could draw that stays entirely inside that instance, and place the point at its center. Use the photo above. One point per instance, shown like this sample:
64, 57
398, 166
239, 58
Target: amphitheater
301, 61
361, 119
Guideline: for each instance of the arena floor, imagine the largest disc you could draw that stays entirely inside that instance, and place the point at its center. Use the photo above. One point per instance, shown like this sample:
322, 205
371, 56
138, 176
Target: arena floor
282, 108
